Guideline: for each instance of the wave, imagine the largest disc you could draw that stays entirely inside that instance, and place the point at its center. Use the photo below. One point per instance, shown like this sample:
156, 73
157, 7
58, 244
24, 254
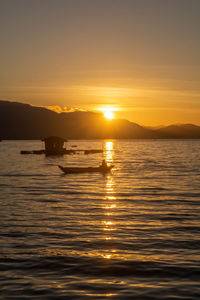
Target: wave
87, 266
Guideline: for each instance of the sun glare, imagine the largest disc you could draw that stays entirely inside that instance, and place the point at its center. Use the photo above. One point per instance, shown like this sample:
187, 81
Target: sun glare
109, 114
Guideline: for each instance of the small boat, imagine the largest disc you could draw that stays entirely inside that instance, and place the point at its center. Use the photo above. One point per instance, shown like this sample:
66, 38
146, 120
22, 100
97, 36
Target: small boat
75, 170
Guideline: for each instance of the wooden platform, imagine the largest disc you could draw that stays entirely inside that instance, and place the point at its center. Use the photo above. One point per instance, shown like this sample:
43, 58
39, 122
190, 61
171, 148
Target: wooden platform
63, 152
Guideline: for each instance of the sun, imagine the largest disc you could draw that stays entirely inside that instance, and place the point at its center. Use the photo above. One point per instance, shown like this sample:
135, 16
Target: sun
108, 111
108, 114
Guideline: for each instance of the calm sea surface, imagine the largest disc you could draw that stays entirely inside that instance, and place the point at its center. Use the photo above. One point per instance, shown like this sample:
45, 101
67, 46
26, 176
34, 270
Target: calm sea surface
131, 234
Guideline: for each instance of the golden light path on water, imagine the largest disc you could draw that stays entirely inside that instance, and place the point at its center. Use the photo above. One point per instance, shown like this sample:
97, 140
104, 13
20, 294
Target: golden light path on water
109, 200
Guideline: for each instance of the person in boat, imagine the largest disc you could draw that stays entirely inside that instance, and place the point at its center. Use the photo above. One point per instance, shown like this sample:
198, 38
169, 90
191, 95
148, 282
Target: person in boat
104, 164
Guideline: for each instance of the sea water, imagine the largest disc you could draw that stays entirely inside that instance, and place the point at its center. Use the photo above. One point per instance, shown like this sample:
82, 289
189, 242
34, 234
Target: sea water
130, 234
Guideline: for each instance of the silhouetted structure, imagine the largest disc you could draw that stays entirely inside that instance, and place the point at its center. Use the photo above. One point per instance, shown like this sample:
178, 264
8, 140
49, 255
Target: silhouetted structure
54, 145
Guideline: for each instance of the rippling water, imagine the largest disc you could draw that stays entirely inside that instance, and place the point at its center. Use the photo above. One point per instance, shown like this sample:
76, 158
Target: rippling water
131, 234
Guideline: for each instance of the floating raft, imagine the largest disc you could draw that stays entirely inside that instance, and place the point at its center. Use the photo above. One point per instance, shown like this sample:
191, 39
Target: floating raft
32, 152
63, 152
54, 145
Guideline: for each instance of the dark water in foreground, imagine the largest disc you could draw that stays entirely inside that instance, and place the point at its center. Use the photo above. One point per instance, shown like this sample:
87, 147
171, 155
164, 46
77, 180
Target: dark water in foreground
132, 234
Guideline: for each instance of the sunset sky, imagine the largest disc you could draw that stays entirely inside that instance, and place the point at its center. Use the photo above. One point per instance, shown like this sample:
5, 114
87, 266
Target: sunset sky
140, 57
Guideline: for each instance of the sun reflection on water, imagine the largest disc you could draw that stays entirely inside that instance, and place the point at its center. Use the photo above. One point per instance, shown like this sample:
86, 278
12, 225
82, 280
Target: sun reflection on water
109, 204
109, 152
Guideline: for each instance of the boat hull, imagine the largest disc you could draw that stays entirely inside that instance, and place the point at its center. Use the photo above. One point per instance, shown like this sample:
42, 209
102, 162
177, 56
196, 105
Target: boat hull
77, 170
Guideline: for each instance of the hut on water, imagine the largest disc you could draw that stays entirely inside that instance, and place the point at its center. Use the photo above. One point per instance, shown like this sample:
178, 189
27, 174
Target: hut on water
54, 145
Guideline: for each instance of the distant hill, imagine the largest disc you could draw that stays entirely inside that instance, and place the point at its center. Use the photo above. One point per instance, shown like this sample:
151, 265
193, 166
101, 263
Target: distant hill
183, 131
23, 121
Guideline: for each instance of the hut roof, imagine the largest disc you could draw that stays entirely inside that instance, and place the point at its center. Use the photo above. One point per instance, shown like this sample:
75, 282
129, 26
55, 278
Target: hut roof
54, 139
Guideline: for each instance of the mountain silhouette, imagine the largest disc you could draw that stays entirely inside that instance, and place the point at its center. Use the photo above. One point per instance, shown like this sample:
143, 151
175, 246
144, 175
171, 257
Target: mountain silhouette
23, 121
183, 131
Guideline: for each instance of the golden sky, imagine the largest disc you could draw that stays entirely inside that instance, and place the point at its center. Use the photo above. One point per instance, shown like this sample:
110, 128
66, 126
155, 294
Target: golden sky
138, 56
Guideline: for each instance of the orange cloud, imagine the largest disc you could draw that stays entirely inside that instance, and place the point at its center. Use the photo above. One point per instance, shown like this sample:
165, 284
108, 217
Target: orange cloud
61, 109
